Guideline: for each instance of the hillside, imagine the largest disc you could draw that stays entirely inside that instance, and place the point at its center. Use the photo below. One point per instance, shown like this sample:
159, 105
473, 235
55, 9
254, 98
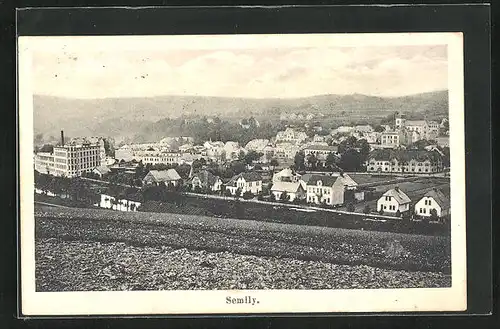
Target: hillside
127, 117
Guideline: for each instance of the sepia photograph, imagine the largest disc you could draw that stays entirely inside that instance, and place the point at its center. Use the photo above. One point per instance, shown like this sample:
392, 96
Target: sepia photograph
222, 173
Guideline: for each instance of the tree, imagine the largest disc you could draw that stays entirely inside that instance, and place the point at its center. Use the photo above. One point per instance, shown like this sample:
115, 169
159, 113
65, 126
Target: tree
227, 192
381, 211
251, 156
398, 213
274, 163
350, 160
299, 160
248, 195
237, 194
284, 196
159, 166
364, 147
350, 207
366, 209
434, 214
312, 161
331, 160
378, 128
197, 164
237, 167
272, 197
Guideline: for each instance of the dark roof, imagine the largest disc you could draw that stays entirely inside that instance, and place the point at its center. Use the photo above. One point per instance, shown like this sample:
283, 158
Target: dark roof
404, 155
441, 198
248, 176
325, 180
164, 175
206, 177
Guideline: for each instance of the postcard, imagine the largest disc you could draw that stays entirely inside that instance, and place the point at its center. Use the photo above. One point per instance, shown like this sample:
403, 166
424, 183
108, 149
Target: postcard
242, 174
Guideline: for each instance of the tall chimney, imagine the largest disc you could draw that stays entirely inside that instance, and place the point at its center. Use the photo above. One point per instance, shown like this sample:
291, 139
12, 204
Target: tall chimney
62, 137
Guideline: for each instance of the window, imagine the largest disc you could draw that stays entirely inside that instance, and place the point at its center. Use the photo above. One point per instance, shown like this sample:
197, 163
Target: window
385, 207
429, 202
424, 210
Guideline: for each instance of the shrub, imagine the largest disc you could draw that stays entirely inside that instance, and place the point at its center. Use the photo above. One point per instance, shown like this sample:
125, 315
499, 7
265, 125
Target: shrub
284, 196
366, 210
248, 195
434, 215
350, 207
398, 213
272, 197
381, 211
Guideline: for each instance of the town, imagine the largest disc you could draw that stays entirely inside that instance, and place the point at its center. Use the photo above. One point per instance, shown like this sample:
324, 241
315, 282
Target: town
399, 169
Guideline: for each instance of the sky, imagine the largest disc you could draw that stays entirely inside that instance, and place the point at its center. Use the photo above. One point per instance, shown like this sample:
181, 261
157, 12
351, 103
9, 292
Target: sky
228, 66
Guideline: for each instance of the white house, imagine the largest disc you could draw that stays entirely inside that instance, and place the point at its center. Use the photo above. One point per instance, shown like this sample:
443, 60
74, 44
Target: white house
110, 202
434, 199
246, 182
293, 190
394, 200
286, 175
327, 189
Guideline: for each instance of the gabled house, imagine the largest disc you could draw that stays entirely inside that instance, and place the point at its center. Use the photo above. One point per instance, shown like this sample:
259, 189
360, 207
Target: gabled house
293, 190
101, 171
328, 189
246, 182
434, 199
394, 200
167, 177
286, 175
205, 180
404, 161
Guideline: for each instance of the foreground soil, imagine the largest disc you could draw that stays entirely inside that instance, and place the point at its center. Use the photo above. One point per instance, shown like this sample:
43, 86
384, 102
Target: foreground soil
85, 266
85, 249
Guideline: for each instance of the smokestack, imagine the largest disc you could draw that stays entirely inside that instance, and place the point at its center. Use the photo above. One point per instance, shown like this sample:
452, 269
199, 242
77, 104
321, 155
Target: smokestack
62, 137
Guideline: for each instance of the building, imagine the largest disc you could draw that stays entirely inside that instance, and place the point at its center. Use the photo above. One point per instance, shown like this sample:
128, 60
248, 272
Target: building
321, 152
399, 122
392, 201
154, 157
343, 130
321, 138
257, 145
392, 139
205, 180
69, 160
291, 135
232, 150
285, 151
427, 129
109, 202
101, 171
167, 177
286, 175
363, 129
293, 191
246, 182
434, 199
404, 161
328, 189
